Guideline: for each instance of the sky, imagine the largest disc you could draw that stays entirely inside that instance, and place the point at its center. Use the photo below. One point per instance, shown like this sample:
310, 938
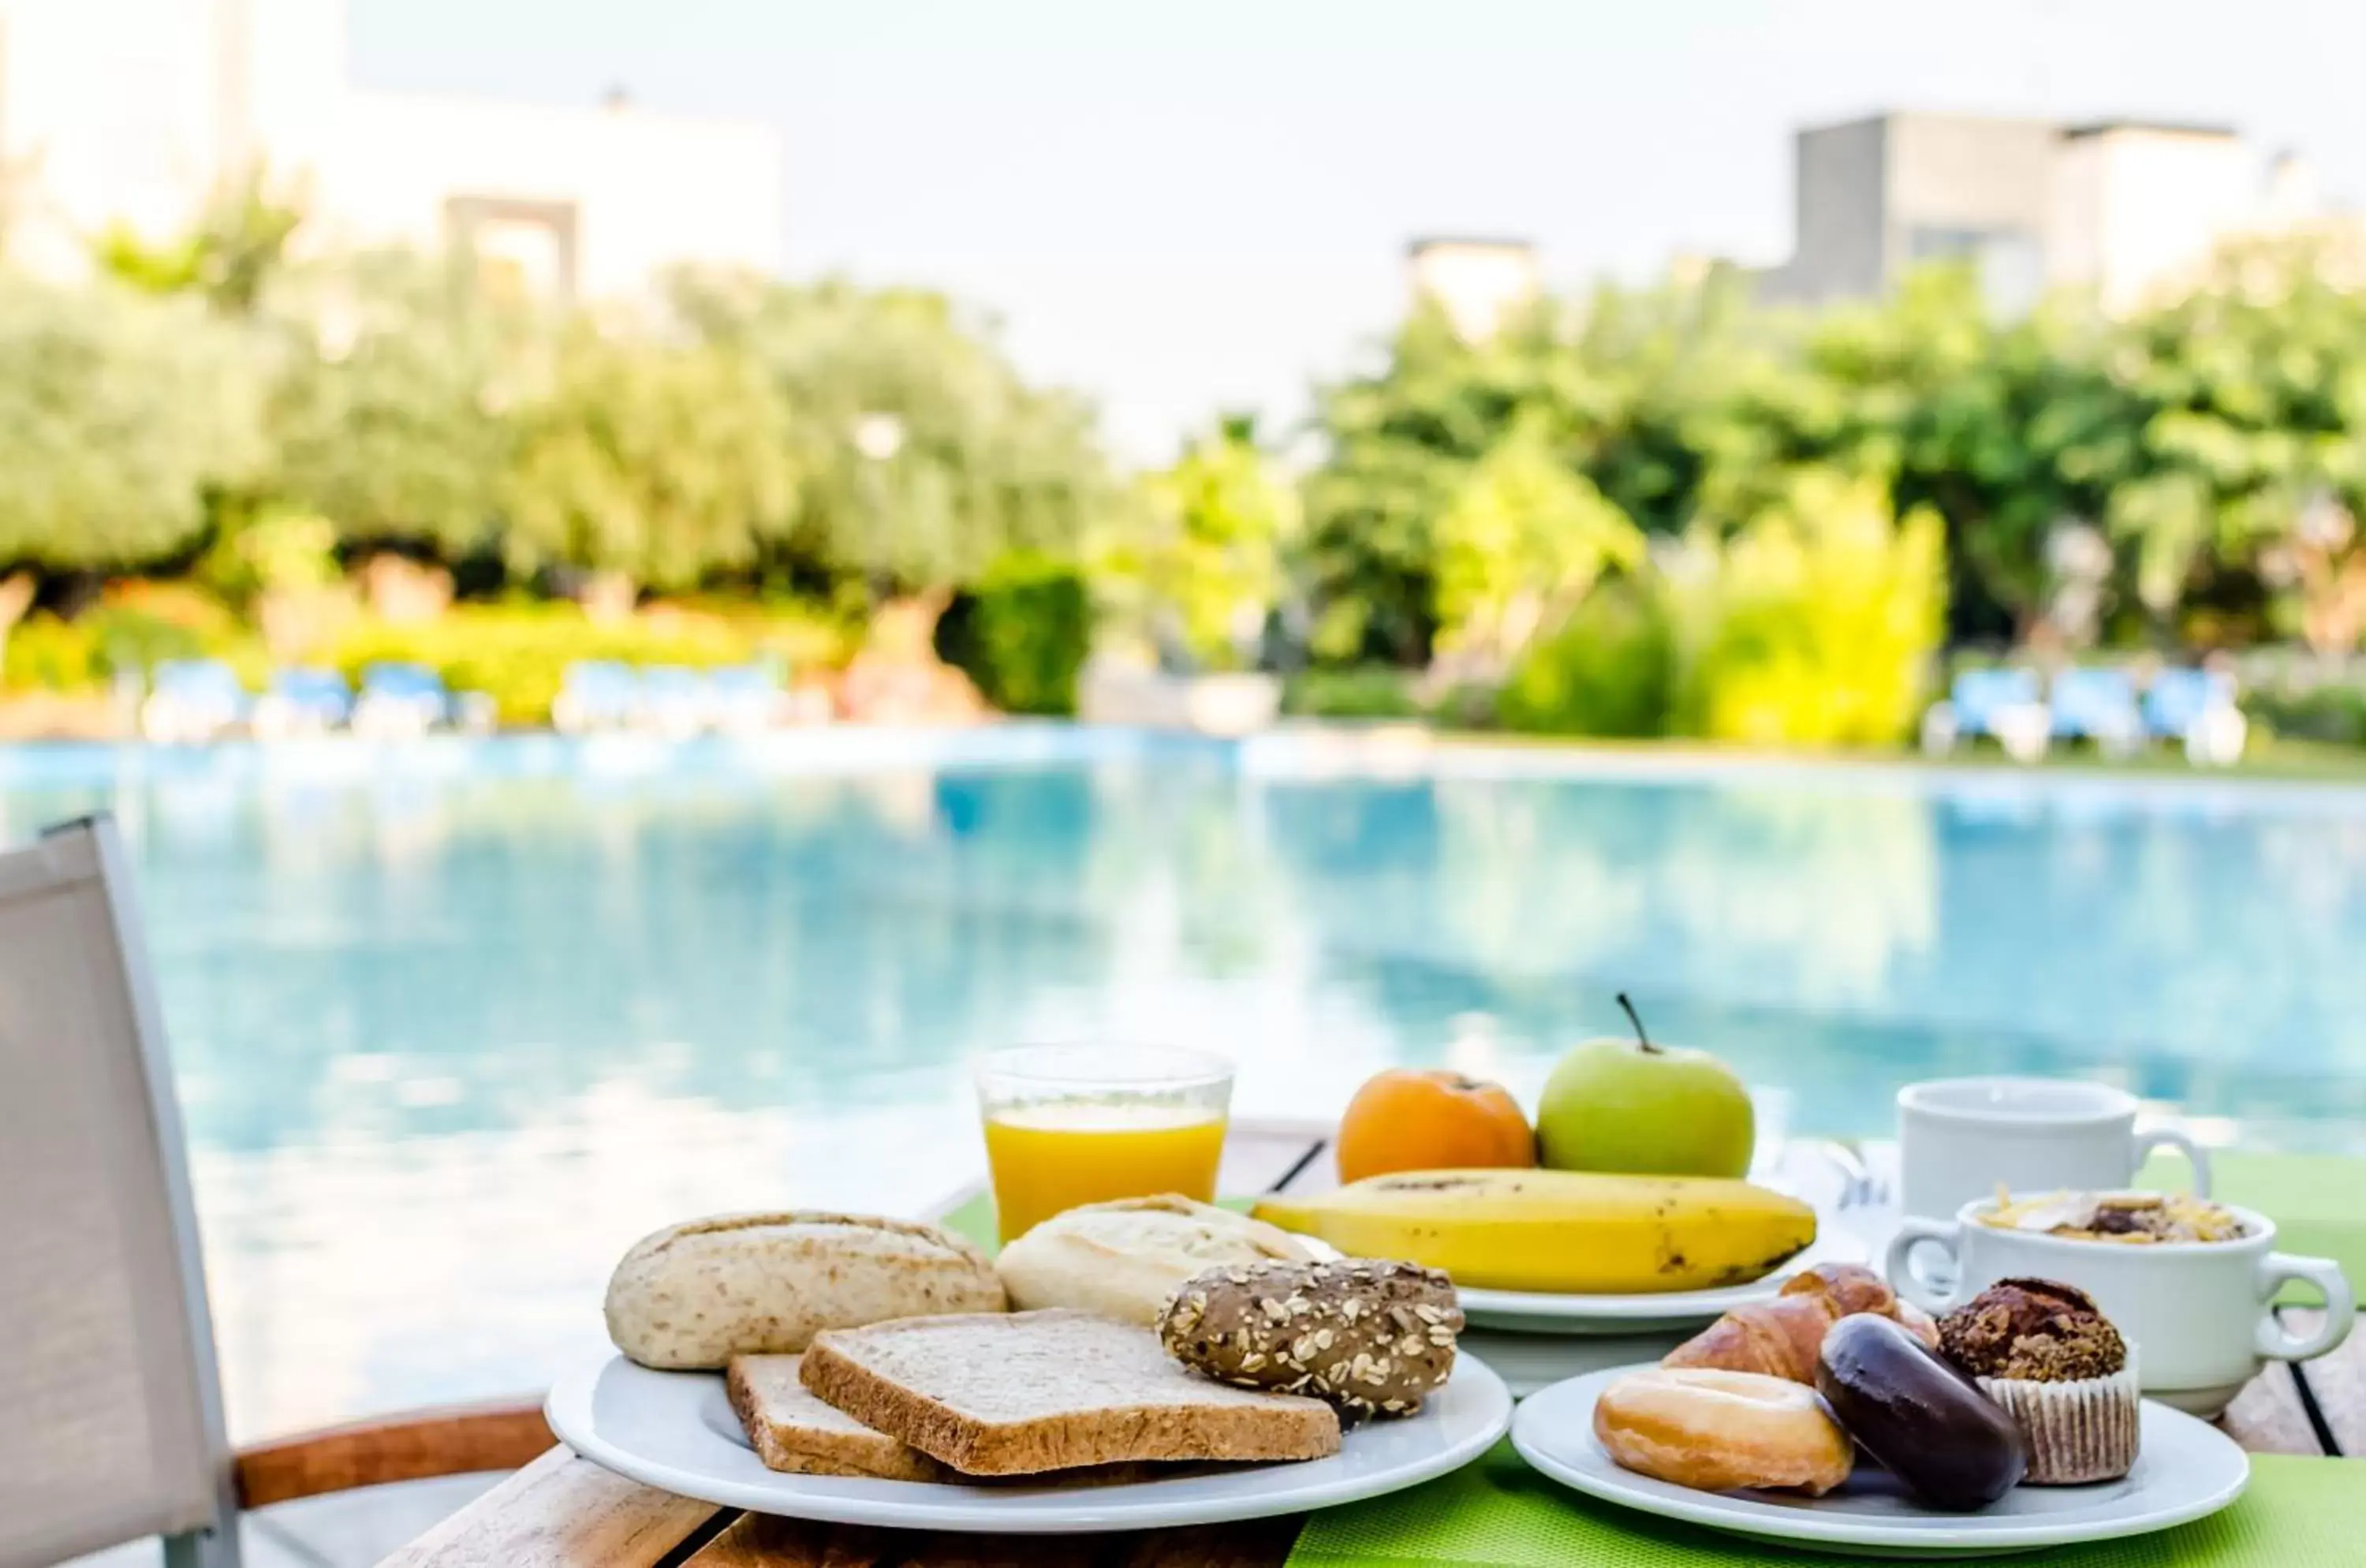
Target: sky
1180, 207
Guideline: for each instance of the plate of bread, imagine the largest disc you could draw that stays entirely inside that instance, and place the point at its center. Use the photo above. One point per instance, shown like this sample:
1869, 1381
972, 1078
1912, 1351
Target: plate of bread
1839, 1416
1150, 1363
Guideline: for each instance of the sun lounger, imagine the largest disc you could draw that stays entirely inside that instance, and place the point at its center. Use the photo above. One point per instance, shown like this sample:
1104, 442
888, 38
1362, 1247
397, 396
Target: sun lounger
399, 701
676, 701
596, 694
192, 700
2098, 705
2196, 708
302, 702
747, 699
2001, 703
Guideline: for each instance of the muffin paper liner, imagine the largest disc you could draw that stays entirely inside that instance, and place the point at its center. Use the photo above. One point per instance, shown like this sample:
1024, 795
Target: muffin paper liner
2078, 1431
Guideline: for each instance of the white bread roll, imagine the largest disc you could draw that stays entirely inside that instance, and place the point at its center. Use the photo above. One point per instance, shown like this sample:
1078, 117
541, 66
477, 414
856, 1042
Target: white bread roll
694, 1295
1124, 1259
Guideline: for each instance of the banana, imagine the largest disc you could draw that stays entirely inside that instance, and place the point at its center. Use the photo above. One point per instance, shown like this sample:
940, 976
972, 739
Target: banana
1560, 1231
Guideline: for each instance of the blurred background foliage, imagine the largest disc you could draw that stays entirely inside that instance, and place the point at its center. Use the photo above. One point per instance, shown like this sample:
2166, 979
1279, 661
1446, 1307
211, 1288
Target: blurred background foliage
1633, 511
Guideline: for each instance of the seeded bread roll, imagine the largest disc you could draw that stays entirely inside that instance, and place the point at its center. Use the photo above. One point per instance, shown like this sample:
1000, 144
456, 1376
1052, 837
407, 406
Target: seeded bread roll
1371, 1339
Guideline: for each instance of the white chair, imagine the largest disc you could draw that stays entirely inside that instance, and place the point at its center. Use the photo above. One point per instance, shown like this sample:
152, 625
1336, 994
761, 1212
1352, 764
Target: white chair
110, 1411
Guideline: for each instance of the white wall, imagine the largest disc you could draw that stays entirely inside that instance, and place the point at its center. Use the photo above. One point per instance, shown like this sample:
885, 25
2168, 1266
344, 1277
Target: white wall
133, 110
1478, 283
2136, 207
109, 105
648, 190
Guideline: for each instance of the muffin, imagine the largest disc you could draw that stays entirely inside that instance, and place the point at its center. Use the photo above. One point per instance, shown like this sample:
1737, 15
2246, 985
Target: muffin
2039, 1348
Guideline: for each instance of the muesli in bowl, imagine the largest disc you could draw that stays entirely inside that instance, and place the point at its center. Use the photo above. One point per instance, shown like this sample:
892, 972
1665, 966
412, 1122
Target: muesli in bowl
2137, 1218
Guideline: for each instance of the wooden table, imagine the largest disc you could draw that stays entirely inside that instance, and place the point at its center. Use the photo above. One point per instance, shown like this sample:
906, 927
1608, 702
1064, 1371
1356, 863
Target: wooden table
566, 1512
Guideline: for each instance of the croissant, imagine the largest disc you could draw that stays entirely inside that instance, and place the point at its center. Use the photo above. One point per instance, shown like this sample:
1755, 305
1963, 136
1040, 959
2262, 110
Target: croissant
1780, 1337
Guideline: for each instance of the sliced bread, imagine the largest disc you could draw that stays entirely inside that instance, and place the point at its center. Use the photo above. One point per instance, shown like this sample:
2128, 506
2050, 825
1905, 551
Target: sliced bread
1026, 1393
793, 1432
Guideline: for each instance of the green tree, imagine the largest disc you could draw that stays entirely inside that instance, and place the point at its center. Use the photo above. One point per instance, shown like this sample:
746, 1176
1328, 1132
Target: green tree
1209, 553
118, 414
1400, 442
1665, 400
1022, 634
923, 456
661, 463
1813, 624
230, 254
2252, 393
390, 414
1523, 541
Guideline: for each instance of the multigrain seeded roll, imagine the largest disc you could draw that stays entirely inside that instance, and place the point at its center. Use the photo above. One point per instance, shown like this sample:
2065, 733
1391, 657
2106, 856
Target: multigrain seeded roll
1372, 1338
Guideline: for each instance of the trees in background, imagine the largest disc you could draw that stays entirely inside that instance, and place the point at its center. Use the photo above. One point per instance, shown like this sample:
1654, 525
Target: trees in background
391, 412
650, 463
120, 417
923, 456
1522, 543
2214, 445
118, 414
1661, 507
1813, 624
1196, 565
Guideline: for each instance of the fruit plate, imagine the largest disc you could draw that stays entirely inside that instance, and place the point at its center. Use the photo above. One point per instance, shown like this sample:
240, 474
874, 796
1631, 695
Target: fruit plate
2187, 1469
676, 1431
1531, 1312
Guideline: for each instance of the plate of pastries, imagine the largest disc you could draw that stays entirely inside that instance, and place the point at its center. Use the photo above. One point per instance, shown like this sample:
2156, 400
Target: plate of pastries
1838, 1414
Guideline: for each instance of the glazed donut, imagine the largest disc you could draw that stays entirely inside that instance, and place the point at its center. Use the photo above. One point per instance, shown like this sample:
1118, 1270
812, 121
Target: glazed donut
1715, 1431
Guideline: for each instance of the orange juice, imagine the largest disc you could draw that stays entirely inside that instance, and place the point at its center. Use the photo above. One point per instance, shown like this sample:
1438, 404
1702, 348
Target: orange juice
1050, 1157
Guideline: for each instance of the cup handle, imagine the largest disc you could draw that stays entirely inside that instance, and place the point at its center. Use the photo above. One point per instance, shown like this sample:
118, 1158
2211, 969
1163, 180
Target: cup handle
1898, 1263
2195, 1156
2340, 1306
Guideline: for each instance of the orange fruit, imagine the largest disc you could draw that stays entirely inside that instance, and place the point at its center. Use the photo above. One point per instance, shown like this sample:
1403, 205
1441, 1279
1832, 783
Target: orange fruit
1414, 1119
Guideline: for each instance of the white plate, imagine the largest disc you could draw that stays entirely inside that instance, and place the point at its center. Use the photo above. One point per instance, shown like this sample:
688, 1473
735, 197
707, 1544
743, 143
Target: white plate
2186, 1468
1532, 1311
675, 1431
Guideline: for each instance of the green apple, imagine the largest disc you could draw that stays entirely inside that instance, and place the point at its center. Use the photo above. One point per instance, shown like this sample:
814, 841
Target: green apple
1632, 1106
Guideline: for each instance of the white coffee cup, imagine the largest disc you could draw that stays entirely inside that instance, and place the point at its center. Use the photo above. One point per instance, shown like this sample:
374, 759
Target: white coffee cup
2197, 1313
1959, 1138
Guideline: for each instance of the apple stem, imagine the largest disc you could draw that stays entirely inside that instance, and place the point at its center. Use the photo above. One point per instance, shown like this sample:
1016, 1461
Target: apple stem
1637, 1019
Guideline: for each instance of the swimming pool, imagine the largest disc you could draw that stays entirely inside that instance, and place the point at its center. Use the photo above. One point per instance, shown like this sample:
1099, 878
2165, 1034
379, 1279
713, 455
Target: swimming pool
455, 1023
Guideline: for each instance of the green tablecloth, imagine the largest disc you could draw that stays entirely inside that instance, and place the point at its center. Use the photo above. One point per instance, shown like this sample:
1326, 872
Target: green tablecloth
2299, 1513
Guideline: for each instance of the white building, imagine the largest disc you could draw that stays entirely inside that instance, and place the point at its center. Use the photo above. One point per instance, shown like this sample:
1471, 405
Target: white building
2137, 205
1478, 283
2125, 208
135, 111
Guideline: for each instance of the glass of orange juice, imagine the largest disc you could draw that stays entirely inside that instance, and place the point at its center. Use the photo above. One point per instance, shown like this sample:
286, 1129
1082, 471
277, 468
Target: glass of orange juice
1070, 1124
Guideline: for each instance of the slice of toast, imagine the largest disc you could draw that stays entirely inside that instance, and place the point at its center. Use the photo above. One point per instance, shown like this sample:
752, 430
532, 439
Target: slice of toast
1020, 1394
793, 1432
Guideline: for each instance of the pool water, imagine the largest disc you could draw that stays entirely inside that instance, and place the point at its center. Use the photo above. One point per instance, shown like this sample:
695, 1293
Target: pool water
454, 1024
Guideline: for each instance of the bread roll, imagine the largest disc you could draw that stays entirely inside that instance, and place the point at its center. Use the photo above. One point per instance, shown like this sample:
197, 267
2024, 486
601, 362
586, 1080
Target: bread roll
692, 1296
1124, 1260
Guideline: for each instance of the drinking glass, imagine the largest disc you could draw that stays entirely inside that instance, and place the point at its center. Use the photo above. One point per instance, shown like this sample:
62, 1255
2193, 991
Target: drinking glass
1070, 1124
